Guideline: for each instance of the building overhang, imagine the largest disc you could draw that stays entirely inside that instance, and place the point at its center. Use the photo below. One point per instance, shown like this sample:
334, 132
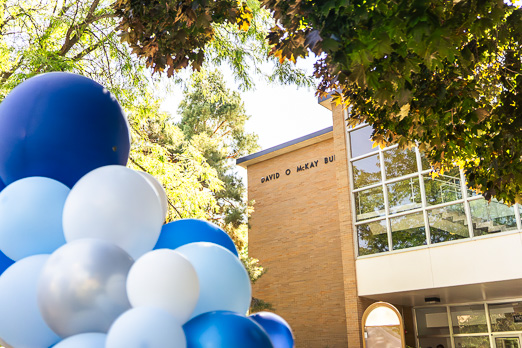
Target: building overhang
289, 146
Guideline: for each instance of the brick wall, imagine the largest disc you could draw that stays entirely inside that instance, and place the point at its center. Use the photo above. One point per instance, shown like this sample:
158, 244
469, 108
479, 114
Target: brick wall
295, 234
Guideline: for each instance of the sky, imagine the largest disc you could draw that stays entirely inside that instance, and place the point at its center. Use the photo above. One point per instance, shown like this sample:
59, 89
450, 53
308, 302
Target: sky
277, 113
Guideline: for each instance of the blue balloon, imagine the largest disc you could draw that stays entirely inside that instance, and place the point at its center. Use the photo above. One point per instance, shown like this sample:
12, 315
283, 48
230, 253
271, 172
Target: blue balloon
2, 185
224, 284
5, 262
276, 327
222, 329
149, 327
31, 217
62, 126
185, 231
85, 340
21, 324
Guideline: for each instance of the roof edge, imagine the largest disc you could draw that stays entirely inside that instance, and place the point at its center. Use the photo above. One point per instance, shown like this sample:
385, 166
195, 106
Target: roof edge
286, 147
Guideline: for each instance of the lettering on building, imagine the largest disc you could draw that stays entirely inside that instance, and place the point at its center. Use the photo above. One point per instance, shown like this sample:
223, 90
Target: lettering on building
300, 168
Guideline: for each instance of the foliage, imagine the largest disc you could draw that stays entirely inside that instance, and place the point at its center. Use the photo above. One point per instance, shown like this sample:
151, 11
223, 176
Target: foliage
79, 37
443, 75
213, 119
171, 35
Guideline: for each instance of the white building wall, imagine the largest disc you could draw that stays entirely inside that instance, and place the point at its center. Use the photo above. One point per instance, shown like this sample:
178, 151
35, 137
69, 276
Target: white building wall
475, 261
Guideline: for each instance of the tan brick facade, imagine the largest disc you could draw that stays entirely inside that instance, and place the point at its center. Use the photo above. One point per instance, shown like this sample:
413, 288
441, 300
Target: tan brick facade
295, 234
302, 233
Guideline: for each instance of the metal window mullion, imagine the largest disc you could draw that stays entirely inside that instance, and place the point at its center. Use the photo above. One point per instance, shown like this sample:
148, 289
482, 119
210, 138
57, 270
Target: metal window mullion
351, 185
488, 321
467, 209
423, 196
385, 195
450, 324
517, 215
415, 328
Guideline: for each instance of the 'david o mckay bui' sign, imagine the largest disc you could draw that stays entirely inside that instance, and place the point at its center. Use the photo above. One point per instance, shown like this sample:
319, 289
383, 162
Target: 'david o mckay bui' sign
299, 168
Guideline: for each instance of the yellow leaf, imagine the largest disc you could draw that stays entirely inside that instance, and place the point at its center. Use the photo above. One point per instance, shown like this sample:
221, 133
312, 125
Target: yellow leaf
405, 110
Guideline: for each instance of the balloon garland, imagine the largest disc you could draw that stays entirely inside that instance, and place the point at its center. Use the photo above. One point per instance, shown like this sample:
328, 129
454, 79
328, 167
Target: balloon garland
85, 259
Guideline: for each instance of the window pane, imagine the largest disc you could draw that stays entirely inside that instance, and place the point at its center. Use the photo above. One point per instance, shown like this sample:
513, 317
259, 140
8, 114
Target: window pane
468, 319
373, 237
448, 223
506, 316
444, 188
424, 162
369, 203
408, 231
404, 195
433, 342
360, 142
472, 342
491, 217
432, 321
399, 162
366, 171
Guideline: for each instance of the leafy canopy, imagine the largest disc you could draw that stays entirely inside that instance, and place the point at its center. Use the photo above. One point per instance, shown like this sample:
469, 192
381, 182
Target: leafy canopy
443, 75
80, 37
171, 35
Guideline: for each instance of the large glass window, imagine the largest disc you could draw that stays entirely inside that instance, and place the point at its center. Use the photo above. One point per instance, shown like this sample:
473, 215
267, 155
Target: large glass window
408, 231
415, 208
472, 342
398, 162
360, 142
470, 326
432, 321
366, 171
448, 223
369, 203
372, 237
443, 188
506, 316
491, 217
404, 195
469, 319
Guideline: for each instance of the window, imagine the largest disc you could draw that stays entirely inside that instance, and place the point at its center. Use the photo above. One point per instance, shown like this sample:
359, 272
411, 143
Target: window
398, 204
470, 325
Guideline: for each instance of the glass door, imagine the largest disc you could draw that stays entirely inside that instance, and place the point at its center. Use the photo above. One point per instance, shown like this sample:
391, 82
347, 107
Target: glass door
507, 342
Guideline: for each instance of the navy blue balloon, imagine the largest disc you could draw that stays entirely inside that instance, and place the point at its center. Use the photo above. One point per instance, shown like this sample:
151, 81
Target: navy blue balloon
223, 329
61, 126
2, 185
185, 231
5, 262
276, 327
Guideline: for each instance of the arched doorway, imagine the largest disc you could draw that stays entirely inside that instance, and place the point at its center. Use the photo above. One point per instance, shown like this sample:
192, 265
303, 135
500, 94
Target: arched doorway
382, 327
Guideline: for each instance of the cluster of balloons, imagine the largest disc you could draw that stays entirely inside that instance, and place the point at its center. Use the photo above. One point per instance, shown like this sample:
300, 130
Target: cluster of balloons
85, 257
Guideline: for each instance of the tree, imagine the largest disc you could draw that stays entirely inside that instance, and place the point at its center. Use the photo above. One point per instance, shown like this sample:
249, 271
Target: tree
213, 119
80, 37
443, 75
171, 35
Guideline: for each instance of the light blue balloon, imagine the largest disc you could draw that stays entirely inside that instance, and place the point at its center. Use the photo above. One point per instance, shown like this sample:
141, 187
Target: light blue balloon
21, 324
85, 340
224, 284
31, 217
149, 327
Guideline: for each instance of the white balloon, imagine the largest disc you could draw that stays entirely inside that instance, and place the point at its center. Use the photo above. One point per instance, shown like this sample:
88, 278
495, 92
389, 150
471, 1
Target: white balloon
116, 204
164, 279
224, 284
160, 190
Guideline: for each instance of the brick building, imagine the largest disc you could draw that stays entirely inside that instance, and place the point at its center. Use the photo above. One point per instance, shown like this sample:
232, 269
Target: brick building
340, 224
